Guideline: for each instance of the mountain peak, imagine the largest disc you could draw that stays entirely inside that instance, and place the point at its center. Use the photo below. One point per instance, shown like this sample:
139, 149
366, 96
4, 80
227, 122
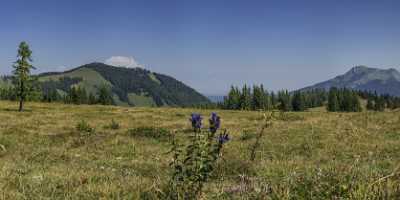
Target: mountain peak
360, 69
383, 81
96, 64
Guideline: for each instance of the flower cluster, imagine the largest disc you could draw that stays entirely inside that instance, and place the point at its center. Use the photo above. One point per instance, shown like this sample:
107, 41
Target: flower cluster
215, 122
196, 121
223, 138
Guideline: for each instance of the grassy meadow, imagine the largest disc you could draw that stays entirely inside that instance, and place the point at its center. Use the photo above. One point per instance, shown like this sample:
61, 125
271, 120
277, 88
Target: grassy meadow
304, 155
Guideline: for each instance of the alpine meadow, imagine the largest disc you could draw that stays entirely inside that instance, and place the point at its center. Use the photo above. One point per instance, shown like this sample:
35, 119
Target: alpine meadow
237, 100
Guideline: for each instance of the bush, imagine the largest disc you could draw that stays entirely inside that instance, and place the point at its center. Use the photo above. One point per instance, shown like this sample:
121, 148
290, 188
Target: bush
113, 125
83, 126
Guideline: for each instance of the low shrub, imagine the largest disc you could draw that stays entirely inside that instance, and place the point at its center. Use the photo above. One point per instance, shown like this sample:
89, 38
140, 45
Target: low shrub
113, 125
84, 127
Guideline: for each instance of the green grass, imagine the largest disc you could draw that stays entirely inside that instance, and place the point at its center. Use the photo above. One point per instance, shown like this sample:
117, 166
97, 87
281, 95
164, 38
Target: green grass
140, 100
90, 77
154, 78
308, 155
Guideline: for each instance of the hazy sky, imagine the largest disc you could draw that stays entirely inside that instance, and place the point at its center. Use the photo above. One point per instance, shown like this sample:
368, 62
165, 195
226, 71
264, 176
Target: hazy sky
208, 45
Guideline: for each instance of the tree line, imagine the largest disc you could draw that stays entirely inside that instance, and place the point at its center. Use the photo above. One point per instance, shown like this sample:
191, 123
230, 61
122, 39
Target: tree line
334, 99
378, 102
257, 98
74, 95
343, 100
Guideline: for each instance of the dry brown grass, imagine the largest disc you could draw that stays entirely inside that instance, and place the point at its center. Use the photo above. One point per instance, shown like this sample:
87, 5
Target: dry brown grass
309, 155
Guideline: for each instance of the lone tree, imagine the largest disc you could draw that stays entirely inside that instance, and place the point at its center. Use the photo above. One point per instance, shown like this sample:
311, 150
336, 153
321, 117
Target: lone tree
22, 73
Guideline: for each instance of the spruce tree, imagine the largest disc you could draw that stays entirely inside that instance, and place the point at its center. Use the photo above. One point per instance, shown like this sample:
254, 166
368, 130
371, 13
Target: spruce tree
356, 105
22, 73
73, 95
284, 99
265, 99
298, 102
333, 101
105, 96
82, 95
232, 101
257, 98
245, 99
274, 100
379, 103
92, 99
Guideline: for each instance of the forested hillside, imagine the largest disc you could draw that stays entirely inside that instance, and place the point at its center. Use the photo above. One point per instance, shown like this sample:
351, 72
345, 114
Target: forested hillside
126, 86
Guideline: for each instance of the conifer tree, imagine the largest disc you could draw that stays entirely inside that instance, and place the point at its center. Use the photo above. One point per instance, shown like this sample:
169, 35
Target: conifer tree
233, 99
298, 102
91, 99
347, 101
379, 103
73, 95
105, 96
245, 98
274, 100
22, 73
82, 95
51, 96
284, 99
333, 100
265, 99
356, 105
344, 100
257, 98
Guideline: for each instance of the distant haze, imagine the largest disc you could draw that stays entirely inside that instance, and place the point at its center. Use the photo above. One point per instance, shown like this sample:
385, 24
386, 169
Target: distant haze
208, 45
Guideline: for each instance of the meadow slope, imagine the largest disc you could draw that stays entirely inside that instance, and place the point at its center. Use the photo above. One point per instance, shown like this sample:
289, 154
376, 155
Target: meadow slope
305, 155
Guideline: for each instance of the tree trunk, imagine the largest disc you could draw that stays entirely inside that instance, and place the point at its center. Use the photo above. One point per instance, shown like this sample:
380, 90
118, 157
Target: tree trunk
22, 97
21, 105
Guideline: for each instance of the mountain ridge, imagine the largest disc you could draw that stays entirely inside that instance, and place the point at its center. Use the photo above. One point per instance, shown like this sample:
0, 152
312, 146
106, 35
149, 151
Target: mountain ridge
383, 81
129, 86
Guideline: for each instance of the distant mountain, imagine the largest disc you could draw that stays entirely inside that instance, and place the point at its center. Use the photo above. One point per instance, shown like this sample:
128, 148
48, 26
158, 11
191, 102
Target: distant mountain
129, 86
383, 81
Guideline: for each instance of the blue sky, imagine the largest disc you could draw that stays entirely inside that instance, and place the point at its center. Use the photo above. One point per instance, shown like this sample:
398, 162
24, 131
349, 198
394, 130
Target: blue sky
208, 45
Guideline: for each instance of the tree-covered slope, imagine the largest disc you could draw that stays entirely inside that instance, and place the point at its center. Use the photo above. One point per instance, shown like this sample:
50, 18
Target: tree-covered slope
129, 86
159, 88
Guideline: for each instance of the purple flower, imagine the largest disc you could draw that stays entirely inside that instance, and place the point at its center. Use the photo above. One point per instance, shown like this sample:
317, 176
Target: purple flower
215, 122
223, 138
196, 121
